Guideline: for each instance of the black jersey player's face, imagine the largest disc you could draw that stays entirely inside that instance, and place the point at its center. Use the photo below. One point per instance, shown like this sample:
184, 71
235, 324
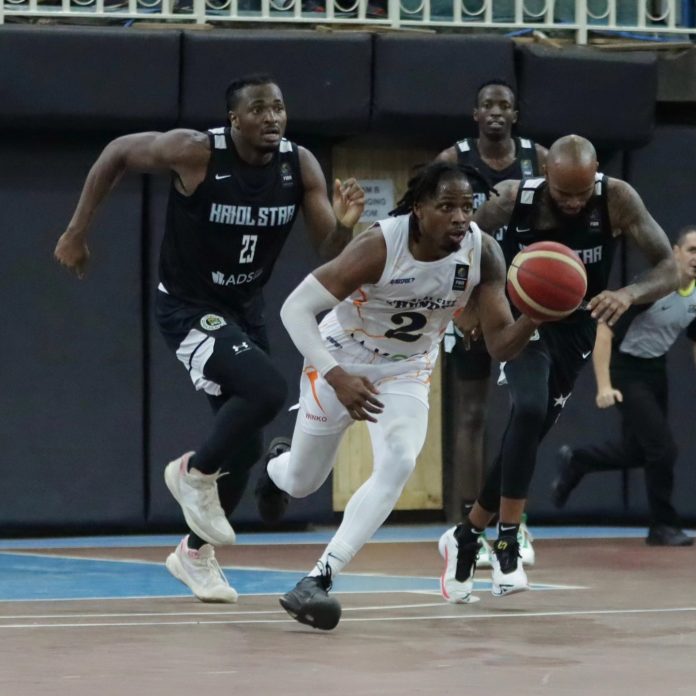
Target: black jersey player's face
495, 112
260, 117
444, 220
570, 186
685, 256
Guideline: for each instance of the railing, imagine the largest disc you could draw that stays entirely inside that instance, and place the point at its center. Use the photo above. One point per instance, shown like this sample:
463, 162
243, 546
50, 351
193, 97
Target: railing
656, 19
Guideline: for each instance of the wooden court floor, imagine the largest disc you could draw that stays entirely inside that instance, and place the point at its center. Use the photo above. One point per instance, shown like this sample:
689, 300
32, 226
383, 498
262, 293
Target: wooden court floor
606, 616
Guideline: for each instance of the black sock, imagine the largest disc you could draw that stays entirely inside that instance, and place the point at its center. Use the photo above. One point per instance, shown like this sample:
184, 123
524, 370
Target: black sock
508, 530
195, 542
467, 533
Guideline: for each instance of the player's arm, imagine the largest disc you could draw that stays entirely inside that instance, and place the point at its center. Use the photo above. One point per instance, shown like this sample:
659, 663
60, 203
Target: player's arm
361, 262
505, 337
497, 210
184, 152
630, 217
601, 359
330, 227
542, 154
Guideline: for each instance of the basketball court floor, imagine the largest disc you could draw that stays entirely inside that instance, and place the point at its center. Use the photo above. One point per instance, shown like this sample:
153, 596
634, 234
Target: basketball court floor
100, 616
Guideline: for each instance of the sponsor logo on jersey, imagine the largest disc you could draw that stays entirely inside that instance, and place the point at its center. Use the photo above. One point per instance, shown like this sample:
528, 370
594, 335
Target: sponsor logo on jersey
461, 275
212, 322
251, 215
527, 169
286, 175
313, 417
333, 342
423, 303
220, 278
401, 281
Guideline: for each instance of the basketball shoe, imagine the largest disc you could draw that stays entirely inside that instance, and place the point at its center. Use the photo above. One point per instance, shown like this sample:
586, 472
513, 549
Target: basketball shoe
200, 572
309, 602
457, 579
197, 494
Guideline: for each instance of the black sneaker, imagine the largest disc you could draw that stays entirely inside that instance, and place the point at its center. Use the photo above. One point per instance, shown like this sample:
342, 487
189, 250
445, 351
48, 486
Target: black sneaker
309, 602
271, 501
569, 476
508, 576
664, 535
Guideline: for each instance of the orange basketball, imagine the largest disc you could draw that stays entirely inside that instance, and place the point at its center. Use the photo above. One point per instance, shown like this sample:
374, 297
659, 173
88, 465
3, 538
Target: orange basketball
546, 281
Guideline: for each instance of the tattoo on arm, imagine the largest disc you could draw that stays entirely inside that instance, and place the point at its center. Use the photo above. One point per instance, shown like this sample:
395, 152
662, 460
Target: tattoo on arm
497, 210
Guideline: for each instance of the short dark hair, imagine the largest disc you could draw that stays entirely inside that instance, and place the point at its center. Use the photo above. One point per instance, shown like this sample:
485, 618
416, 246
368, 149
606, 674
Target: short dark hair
423, 185
496, 83
683, 232
236, 86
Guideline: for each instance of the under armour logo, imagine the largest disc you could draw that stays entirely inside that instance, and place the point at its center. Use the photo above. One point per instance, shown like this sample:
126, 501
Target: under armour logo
241, 347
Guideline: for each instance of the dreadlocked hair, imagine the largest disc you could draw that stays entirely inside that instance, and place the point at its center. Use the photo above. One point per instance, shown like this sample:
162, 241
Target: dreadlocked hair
423, 185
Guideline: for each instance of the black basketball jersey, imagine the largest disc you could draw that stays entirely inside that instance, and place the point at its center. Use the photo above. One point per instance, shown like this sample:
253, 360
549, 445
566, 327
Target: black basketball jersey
221, 243
525, 165
589, 233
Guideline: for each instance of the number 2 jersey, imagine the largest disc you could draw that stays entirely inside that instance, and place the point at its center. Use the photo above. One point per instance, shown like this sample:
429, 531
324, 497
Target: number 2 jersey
221, 243
404, 314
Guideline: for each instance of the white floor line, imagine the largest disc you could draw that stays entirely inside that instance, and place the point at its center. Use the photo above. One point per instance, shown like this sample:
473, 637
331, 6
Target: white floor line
458, 616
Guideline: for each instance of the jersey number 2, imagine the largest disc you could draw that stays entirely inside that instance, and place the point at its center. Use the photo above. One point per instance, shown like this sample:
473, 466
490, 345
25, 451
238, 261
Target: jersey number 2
246, 255
406, 331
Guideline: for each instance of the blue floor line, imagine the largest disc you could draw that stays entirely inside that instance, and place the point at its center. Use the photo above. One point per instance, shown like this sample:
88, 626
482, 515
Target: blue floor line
400, 533
28, 577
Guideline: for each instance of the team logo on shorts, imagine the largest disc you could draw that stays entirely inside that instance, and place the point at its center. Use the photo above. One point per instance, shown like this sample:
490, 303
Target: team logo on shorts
212, 322
461, 275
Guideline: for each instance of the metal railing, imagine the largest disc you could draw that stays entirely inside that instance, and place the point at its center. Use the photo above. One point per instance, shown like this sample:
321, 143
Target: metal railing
659, 19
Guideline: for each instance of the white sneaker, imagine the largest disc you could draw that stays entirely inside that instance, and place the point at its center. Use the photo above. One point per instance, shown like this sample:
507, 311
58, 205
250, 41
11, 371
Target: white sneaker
462, 557
508, 576
197, 494
485, 553
200, 572
525, 539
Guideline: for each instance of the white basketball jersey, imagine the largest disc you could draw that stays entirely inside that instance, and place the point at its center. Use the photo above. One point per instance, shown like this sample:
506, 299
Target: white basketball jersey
406, 312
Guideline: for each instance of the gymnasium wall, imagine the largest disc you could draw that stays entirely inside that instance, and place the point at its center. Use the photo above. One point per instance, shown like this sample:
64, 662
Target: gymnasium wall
93, 405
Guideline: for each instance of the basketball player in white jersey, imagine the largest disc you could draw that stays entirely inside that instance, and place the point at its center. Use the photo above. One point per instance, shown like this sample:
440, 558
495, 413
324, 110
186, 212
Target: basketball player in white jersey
391, 293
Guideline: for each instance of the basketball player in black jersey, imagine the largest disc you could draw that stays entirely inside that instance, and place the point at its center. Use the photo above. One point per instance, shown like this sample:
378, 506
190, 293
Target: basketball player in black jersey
585, 210
467, 366
235, 194
498, 156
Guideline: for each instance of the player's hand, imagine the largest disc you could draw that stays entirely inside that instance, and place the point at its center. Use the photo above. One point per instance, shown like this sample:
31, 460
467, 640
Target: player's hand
357, 394
348, 202
609, 305
608, 397
72, 252
466, 321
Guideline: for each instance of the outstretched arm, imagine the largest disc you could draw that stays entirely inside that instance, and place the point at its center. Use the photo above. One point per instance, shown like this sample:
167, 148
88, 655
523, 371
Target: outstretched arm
329, 229
505, 337
630, 217
185, 152
360, 263
601, 359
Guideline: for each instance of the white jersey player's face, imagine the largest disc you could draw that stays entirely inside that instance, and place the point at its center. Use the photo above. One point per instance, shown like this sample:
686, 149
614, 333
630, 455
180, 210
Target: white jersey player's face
443, 220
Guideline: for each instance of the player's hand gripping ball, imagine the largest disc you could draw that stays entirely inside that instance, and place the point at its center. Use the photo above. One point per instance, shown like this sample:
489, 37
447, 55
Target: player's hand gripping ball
547, 281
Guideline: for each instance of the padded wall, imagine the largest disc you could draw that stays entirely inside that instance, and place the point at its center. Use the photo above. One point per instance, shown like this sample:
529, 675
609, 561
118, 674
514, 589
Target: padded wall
60, 78
71, 427
426, 86
326, 79
606, 97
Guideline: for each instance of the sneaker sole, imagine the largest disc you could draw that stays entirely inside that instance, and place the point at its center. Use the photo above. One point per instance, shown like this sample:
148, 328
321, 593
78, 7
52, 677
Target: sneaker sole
324, 617
173, 565
500, 592
171, 477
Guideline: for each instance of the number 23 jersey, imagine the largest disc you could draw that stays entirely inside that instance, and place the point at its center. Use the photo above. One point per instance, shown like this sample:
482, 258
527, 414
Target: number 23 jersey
406, 311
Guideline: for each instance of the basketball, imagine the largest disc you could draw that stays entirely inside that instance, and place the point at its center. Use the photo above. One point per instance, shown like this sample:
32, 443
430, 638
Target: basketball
546, 281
